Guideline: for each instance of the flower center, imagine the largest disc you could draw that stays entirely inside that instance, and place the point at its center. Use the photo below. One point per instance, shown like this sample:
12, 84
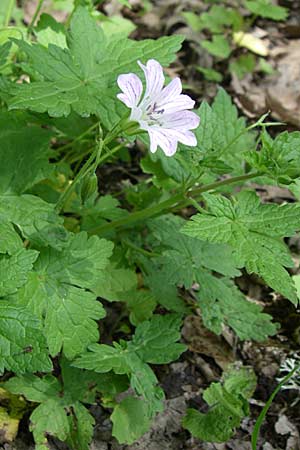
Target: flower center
153, 115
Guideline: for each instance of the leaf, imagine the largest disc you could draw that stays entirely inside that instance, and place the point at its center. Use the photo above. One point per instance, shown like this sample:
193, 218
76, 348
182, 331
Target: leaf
48, 31
102, 359
130, 420
14, 270
37, 220
243, 65
221, 303
279, 159
140, 303
215, 20
56, 293
154, 341
10, 241
265, 8
24, 151
34, 388
4, 52
22, 344
186, 256
60, 412
117, 25
78, 78
210, 74
254, 231
114, 282
15, 261
49, 418
165, 293
219, 46
228, 405
219, 299
82, 427
96, 213
222, 136
181, 261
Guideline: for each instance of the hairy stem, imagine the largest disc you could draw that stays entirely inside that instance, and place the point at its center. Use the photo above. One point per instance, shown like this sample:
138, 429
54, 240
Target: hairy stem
78, 138
176, 202
81, 174
35, 16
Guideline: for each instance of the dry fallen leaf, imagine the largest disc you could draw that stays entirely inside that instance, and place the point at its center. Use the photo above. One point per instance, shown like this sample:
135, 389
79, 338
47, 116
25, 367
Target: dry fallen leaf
201, 340
283, 92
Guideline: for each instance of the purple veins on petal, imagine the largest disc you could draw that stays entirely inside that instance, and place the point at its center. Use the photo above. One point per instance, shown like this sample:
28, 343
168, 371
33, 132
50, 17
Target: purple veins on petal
162, 111
154, 77
132, 88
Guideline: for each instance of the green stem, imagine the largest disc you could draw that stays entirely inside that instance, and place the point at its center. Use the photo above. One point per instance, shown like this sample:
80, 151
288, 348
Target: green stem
263, 413
141, 250
110, 153
95, 155
177, 202
35, 16
83, 171
9, 13
78, 138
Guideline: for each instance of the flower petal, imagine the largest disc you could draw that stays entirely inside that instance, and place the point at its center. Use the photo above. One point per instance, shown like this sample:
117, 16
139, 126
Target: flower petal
173, 89
161, 137
154, 78
185, 137
182, 120
175, 104
132, 89
153, 141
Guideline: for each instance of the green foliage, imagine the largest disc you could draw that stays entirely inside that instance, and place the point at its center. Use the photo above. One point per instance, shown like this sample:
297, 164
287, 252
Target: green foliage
265, 8
187, 261
23, 345
221, 303
48, 31
225, 24
61, 412
243, 65
215, 20
32, 162
228, 402
154, 342
4, 52
130, 420
73, 236
254, 231
211, 74
56, 293
222, 137
279, 158
36, 220
219, 46
77, 78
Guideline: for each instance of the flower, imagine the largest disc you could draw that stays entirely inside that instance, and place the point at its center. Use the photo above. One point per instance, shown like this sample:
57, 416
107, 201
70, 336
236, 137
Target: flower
163, 111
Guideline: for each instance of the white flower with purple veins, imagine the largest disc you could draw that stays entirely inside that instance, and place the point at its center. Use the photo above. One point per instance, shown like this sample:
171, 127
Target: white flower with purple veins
163, 111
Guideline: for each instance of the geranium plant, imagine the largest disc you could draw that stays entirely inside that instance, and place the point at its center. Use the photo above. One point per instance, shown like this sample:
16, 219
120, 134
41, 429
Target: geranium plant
72, 104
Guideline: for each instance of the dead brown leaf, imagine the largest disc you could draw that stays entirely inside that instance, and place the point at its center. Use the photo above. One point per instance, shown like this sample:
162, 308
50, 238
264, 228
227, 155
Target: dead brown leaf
201, 340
